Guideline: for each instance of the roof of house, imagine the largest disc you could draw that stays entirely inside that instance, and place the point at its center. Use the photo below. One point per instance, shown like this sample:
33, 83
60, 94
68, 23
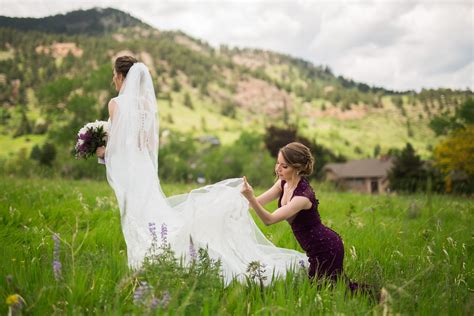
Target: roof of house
364, 168
210, 139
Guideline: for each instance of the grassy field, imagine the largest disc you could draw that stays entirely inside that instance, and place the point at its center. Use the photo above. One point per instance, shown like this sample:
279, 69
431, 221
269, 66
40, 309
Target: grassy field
11, 146
419, 249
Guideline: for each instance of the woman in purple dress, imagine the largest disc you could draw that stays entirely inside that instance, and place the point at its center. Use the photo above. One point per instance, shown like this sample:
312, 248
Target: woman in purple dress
298, 205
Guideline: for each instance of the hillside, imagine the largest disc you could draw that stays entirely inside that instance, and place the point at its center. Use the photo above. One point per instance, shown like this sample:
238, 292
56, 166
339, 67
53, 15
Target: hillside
55, 74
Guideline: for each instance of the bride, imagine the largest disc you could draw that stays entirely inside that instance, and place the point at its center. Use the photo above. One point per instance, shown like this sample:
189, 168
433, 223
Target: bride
215, 216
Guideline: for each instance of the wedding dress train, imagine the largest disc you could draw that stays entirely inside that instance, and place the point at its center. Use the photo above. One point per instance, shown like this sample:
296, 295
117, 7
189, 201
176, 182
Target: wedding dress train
215, 216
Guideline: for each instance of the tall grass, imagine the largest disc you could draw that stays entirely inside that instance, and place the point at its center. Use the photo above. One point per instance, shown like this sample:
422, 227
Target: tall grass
421, 256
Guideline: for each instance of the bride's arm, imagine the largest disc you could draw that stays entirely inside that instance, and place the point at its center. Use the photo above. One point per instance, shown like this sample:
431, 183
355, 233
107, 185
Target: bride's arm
271, 194
100, 151
112, 106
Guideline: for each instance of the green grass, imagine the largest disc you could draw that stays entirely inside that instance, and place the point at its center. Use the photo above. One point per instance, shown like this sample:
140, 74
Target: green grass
11, 146
419, 249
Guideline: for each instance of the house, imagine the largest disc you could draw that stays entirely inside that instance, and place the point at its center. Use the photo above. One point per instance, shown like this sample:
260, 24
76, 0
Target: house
209, 139
365, 175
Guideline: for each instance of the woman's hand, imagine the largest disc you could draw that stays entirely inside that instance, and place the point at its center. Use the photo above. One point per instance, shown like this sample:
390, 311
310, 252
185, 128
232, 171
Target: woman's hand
100, 152
247, 190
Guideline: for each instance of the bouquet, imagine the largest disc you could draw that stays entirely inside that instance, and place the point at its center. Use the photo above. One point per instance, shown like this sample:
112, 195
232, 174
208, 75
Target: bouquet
92, 136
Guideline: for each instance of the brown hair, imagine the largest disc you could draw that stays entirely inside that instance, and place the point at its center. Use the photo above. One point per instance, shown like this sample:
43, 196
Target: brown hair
123, 64
299, 157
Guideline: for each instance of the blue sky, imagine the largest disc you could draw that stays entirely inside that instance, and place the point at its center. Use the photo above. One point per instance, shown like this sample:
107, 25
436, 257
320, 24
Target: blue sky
397, 44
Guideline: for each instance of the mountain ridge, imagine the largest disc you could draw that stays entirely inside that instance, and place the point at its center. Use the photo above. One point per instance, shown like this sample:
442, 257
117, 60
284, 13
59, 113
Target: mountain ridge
93, 21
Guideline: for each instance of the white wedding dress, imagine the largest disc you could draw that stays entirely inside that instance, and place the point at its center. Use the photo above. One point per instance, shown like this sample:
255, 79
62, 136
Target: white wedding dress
215, 216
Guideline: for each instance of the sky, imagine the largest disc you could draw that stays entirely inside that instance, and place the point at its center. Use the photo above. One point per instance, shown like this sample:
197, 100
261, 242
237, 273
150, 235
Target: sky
396, 44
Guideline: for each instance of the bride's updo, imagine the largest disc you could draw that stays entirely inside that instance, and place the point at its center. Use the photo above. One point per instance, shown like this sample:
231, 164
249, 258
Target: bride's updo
299, 157
123, 64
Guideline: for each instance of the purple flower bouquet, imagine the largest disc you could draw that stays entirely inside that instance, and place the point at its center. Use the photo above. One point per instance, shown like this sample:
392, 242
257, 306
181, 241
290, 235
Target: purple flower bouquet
92, 136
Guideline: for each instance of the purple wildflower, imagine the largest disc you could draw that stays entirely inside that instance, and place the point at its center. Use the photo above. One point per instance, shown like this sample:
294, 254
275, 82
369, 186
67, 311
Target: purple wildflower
164, 234
152, 229
154, 303
141, 292
138, 294
57, 267
165, 300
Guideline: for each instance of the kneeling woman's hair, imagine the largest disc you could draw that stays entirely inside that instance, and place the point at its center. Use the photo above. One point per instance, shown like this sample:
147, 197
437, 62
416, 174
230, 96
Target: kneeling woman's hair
299, 157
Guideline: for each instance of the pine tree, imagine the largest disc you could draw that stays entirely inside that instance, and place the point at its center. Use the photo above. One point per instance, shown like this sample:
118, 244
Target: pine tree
187, 101
407, 173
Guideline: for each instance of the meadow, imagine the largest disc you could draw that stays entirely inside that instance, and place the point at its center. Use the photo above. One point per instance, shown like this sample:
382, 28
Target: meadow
416, 249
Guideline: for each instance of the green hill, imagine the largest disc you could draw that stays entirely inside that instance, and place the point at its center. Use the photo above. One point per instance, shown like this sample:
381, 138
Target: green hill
55, 74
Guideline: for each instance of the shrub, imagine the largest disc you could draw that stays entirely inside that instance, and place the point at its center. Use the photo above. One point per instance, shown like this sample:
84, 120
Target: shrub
247, 156
24, 127
177, 157
407, 173
45, 155
277, 137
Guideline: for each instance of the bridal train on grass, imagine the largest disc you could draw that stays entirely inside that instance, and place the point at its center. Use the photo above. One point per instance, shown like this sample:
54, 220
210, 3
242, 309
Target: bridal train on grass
215, 216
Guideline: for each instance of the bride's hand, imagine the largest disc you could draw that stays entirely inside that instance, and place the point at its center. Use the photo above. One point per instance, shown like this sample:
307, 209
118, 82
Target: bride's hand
247, 190
100, 152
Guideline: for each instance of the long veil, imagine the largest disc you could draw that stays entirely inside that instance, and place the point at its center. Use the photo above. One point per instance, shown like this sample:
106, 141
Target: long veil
215, 216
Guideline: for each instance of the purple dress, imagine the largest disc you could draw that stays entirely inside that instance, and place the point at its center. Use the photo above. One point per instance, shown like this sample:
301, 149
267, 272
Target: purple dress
322, 245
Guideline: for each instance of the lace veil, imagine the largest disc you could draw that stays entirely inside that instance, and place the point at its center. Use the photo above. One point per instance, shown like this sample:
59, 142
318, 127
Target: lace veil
131, 159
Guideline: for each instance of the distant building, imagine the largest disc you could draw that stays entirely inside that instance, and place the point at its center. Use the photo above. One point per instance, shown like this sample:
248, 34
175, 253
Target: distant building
209, 139
365, 175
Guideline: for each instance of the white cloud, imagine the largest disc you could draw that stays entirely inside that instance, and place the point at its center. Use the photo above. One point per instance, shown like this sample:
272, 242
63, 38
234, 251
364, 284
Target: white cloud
401, 47
396, 44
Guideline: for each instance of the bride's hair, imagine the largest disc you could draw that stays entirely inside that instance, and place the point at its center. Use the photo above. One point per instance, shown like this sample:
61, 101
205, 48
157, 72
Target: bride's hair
123, 64
299, 157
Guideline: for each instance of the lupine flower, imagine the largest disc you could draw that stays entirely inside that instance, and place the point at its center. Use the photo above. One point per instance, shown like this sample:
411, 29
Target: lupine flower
57, 267
141, 293
164, 233
165, 300
138, 294
152, 229
154, 303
